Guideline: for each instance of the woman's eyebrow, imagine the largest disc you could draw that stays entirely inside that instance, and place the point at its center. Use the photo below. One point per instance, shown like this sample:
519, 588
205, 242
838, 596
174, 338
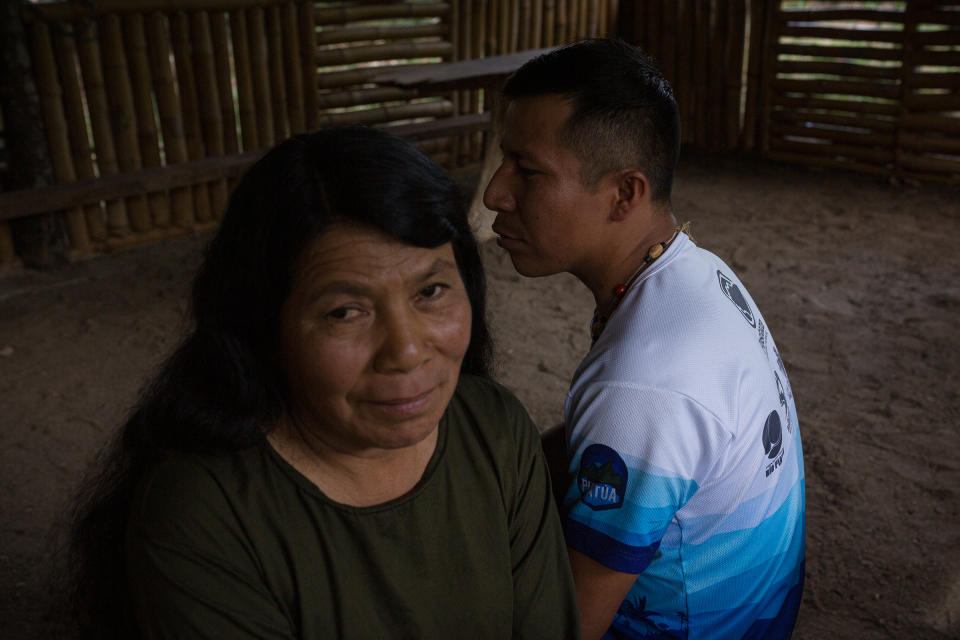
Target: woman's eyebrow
440, 265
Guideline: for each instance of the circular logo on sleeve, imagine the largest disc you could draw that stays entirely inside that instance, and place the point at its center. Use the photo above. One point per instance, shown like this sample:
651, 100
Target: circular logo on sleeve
602, 479
772, 435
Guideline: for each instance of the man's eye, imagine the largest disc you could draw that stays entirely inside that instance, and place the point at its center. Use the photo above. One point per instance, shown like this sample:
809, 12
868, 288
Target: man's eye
526, 171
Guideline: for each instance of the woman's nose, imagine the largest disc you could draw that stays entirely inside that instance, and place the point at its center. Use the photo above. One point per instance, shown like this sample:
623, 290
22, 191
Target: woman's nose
404, 346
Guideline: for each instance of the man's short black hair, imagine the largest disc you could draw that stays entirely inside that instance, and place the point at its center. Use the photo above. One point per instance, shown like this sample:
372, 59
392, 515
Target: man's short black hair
624, 113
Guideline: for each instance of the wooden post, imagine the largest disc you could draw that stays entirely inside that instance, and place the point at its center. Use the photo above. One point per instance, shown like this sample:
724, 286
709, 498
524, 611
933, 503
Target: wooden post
513, 41
292, 70
668, 43
92, 70
66, 53
536, 28
573, 17
308, 45
246, 109
147, 134
613, 17
477, 51
189, 106
123, 115
55, 124
221, 60
208, 101
278, 88
683, 69
260, 76
524, 22
754, 70
168, 109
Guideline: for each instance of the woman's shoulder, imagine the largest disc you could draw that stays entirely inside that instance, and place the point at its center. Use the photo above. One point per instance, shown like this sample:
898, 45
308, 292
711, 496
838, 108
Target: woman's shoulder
184, 490
487, 397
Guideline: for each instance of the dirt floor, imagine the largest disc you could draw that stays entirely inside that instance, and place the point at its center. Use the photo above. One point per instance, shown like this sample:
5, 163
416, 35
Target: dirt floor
859, 282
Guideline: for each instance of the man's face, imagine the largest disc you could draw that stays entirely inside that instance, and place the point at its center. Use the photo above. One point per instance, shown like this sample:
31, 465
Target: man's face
546, 218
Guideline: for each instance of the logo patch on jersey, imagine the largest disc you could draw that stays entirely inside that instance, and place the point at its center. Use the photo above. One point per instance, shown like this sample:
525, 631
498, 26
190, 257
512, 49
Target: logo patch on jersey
783, 402
602, 479
773, 441
763, 335
732, 291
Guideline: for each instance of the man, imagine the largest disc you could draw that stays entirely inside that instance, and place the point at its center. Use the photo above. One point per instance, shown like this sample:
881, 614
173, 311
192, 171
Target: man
684, 506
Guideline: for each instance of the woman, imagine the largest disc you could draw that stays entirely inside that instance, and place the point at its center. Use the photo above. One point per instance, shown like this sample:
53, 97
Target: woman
324, 455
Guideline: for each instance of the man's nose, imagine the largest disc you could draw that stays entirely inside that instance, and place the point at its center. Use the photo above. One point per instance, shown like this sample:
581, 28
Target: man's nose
497, 195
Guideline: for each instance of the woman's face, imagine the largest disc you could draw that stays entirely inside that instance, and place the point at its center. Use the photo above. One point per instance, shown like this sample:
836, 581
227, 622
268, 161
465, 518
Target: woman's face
372, 336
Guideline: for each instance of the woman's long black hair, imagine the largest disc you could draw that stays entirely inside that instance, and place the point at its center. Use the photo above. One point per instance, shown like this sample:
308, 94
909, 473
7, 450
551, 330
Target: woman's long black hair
223, 389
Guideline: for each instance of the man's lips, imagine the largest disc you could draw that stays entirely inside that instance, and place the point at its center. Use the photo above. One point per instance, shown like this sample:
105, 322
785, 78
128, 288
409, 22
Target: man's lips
507, 241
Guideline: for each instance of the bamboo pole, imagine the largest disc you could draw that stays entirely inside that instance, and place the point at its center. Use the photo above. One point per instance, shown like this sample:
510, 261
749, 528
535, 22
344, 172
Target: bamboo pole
354, 97
613, 17
224, 76
456, 53
668, 52
560, 24
308, 42
639, 15
208, 101
388, 113
504, 26
344, 35
168, 110
55, 125
719, 34
754, 71
769, 52
870, 155
573, 20
856, 122
66, 54
91, 68
147, 133
477, 40
685, 69
590, 13
260, 76
71, 11
549, 18
8, 255
278, 87
347, 14
492, 27
848, 15
246, 109
859, 35
869, 89
514, 40
524, 24
839, 69
352, 55
654, 12
536, 18
26, 202
123, 115
701, 84
831, 51
603, 19
293, 74
927, 163
809, 102
466, 97
836, 135
189, 107
820, 162
948, 125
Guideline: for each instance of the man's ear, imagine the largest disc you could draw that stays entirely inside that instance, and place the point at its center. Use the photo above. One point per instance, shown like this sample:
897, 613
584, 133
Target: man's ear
633, 189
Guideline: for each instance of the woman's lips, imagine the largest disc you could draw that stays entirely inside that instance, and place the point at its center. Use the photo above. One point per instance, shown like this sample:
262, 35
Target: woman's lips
405, 407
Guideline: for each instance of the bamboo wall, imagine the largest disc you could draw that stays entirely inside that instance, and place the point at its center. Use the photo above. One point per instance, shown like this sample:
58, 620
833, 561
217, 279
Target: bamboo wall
872, 87
699, 47
152, 107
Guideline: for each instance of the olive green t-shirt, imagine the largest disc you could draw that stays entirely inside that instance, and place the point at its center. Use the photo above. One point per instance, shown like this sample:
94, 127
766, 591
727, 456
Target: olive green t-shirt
241, 545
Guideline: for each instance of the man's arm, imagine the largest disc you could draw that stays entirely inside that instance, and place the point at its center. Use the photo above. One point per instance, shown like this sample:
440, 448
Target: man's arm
600, 591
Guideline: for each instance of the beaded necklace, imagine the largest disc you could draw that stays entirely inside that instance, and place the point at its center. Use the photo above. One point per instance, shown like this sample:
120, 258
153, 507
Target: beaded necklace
599, 322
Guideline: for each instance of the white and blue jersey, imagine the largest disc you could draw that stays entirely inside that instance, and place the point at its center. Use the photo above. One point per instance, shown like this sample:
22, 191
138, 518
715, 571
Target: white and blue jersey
687, 466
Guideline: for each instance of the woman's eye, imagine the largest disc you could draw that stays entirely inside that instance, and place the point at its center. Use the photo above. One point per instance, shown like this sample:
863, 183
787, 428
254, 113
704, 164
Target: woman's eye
433, 290
343, 313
